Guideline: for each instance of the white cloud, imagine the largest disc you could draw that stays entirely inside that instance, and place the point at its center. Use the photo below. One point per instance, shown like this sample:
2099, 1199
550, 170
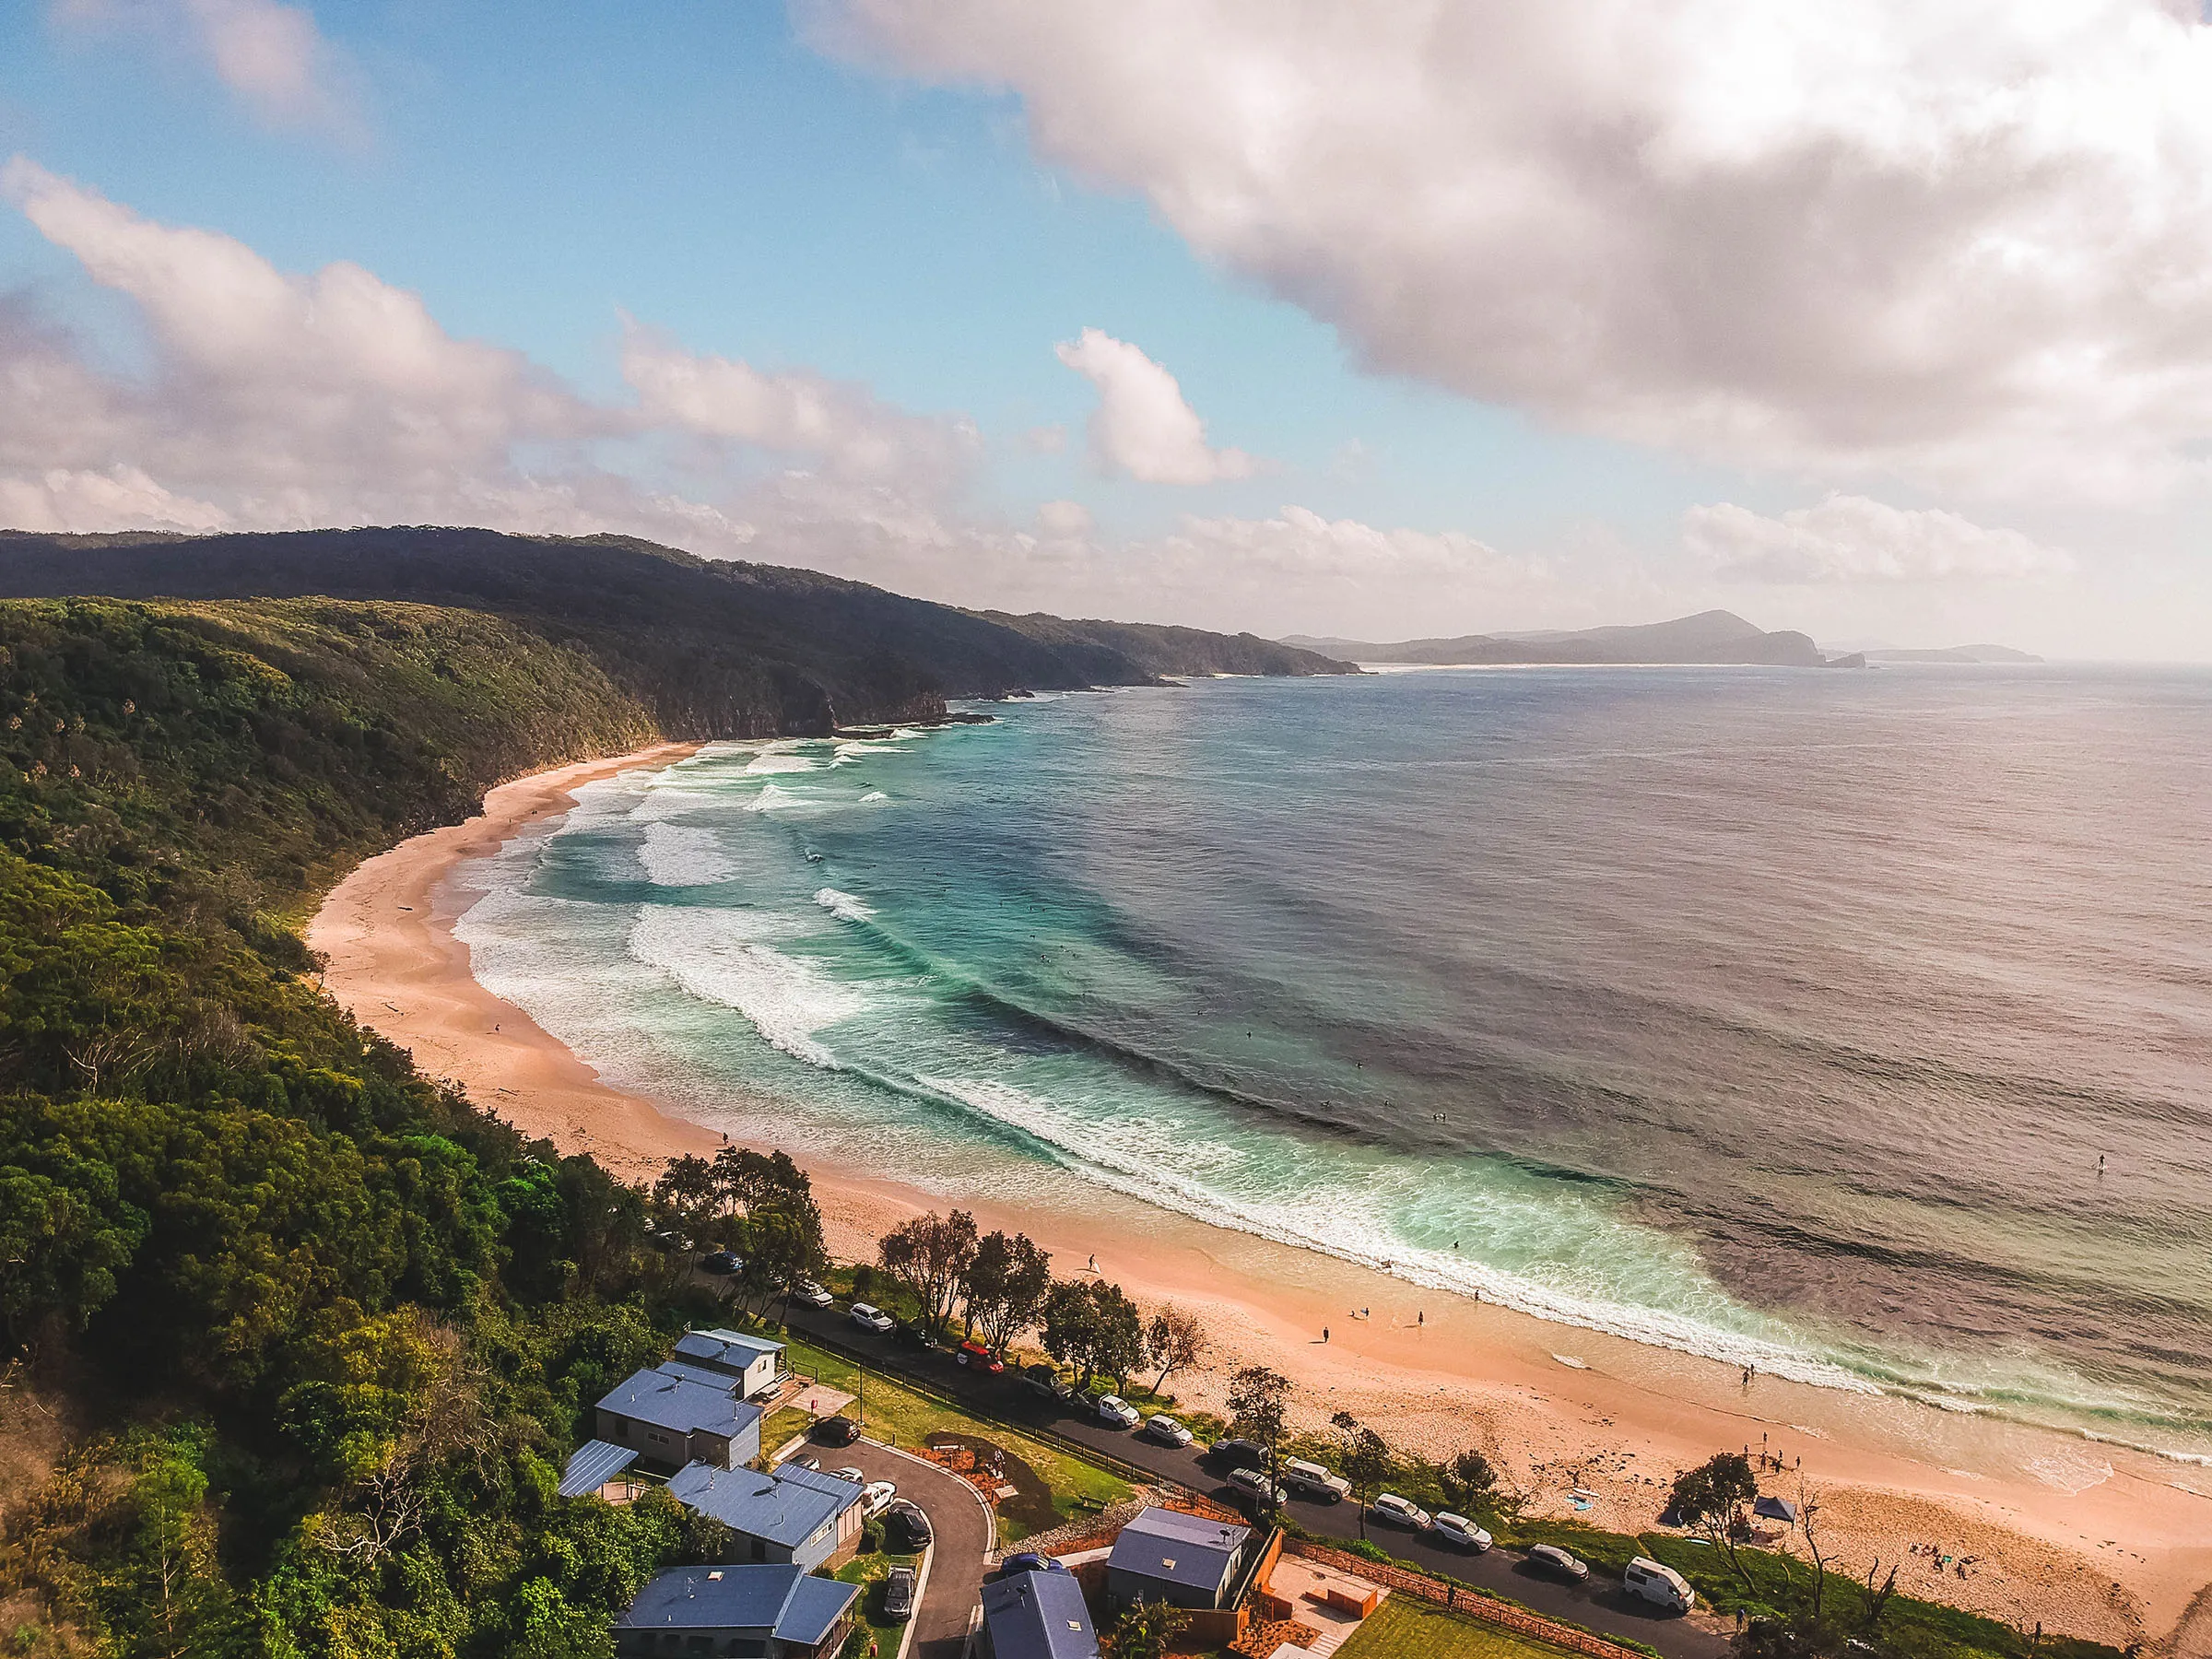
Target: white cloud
272, 57
843, 426
1064, 519
1143, 426
1968, 241
1851, 539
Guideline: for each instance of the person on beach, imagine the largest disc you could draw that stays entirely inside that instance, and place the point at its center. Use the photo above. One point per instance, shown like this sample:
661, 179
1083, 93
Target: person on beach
1420, 1317
1094, 1264
1324, 1332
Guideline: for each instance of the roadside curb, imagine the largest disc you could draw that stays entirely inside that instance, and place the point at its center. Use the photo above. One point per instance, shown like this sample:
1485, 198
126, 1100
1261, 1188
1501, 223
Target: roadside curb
990, 1516
906, 1630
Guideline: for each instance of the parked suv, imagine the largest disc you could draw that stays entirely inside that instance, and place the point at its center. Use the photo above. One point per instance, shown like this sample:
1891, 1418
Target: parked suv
1310, 1480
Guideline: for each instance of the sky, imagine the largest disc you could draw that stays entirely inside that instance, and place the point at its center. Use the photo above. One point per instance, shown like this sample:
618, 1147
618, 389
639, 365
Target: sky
1888, 320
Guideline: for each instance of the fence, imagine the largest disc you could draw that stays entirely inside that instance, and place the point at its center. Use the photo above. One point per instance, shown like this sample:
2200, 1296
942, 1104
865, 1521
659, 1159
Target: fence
1472, 1603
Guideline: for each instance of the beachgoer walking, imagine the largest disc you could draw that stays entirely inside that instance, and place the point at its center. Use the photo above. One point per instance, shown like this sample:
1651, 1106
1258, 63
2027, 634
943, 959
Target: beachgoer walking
1420, 1317
1094, 1264
1324, 1332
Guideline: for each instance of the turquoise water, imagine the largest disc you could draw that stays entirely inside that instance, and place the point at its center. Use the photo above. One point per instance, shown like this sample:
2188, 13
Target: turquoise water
1773, 1015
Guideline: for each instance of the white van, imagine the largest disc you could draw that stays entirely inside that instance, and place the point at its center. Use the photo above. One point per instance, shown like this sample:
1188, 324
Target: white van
1659, 1584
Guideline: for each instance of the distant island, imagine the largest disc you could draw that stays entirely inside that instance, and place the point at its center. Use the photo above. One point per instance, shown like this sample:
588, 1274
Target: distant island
1953, 653
1713, 636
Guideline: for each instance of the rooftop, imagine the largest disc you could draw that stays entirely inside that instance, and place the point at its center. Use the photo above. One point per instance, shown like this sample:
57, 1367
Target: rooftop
1177, 1549
1039, 1615
786, 1508
726, 1350
592, 1465
679, 1403
778, 1599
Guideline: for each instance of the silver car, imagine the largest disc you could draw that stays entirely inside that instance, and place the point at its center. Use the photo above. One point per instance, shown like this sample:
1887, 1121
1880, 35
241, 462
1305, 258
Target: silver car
1399, 1511
1256, 1483
870, 1318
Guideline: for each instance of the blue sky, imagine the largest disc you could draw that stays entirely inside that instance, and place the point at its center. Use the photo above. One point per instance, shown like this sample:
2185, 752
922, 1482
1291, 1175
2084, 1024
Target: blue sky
536, 174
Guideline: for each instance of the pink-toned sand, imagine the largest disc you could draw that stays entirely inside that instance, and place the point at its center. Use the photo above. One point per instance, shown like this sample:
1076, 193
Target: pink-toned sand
2091, 1539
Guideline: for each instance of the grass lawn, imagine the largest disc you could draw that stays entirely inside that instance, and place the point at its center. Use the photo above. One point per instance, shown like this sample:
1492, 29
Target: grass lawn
1406, 1628
903, 1417
869, 1571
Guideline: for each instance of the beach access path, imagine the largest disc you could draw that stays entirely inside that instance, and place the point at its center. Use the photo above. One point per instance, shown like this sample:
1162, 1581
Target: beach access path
1600, 1606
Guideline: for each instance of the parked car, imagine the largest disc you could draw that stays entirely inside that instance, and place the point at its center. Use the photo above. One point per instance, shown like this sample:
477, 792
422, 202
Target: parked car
1551, 1558
915, 1334
802, 1463
837, 1432
1310, 1480
1399, 1511
905, 1519
898, 1595
1029, 1561
851, 1474
1112, 1409
1255, 1485
978, 1355
1046, 1382
1459, 1530
811, 1294
721, 1264
1169, 1432
875, 1498
1239, 1454
869, 1317
1659, 1584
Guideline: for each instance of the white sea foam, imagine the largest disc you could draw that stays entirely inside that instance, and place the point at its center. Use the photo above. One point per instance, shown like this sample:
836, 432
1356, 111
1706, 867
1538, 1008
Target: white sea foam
782, 760
843, 906
873, 794
729, 957
770, 798
857, 749
1571, 1362
1346, 1222
679, 855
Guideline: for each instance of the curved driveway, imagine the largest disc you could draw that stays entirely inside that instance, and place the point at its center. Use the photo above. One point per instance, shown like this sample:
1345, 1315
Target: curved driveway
965, 1541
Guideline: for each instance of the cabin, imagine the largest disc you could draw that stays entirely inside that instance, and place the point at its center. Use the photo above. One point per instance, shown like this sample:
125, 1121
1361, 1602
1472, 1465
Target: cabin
790, 1515
771, 1612
1186, 1560
671, 1420
752, 1363
1038, 1615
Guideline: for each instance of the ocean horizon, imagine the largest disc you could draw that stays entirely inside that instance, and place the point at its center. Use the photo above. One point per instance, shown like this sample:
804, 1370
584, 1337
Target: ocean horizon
1852, 1026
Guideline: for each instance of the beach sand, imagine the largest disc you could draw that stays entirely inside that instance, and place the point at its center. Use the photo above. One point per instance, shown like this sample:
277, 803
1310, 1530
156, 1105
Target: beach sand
2091, 1539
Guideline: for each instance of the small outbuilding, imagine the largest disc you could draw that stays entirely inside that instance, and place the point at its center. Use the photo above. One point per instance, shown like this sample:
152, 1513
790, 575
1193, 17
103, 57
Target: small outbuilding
771, 1612
1038, 1615
1166, 1554
752, 1363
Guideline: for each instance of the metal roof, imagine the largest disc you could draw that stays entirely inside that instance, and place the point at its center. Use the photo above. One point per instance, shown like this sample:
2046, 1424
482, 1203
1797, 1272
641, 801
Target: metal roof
592, 1465
679, 1403
731, 1350
787, 1508
1039, 1615
1176, 1548
773, 1598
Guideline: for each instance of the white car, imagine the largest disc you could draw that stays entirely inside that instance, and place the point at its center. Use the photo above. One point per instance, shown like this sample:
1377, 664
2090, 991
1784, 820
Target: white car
1459, 1530
1169, 1432
851, 1474
811, 1294
1310, 1480
1399, 1511
1659, 1584
1113, 1409
1256, 1482
877, 1498
870, 1318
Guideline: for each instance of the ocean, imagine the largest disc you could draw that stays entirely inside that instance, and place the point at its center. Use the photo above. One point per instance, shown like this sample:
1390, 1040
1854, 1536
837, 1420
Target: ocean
1854, 1025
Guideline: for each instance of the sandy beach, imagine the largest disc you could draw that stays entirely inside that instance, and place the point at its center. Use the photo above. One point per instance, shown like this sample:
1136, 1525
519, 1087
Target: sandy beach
2087, 1538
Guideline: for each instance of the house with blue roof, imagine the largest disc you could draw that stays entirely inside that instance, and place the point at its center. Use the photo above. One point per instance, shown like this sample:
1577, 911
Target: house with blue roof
670, 1419
769, 1612
1038, 1615
753, 1363
792, 1514
1187, 1560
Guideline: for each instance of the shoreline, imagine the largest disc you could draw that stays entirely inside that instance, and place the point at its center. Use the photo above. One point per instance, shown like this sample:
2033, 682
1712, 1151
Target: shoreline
2093, 1539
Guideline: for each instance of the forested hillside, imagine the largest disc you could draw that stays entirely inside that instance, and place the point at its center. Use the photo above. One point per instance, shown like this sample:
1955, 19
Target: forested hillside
713, 648
292, 1340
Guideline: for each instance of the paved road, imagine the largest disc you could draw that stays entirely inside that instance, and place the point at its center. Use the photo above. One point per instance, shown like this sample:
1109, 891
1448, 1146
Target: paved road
964, 1539
1599, 1605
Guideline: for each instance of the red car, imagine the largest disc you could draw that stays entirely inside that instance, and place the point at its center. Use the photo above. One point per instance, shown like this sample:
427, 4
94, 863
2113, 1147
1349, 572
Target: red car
972, 1352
